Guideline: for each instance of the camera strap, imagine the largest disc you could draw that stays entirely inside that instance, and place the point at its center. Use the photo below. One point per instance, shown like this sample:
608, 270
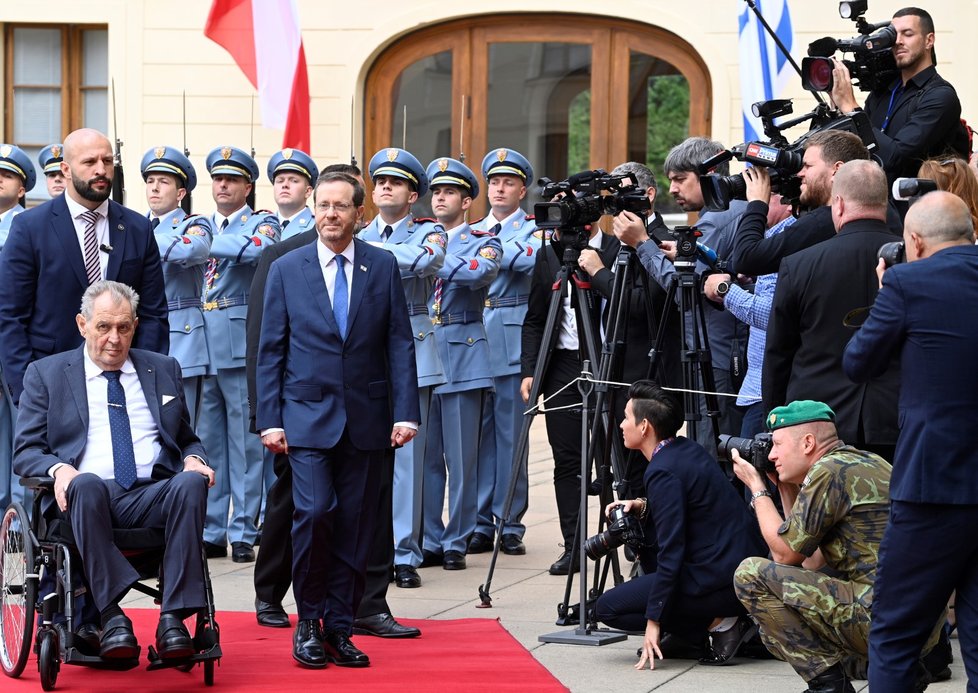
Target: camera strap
894, 93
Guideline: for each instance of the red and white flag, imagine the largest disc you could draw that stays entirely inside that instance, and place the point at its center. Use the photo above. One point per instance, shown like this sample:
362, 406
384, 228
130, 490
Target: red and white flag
274, 61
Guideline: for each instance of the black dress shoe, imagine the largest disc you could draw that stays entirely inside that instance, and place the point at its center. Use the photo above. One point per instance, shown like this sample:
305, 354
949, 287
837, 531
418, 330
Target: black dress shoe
430, 559
479, 543
723, 646
342, 652
833, 680
242, 552
215, 550
406, 576
172, 638
563, 564
118, 641
454, 560
383, 625
87, 639
512, 545
307, 644
271, 615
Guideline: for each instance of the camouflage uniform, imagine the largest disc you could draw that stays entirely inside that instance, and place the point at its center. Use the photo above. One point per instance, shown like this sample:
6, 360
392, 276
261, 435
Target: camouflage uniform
808, 619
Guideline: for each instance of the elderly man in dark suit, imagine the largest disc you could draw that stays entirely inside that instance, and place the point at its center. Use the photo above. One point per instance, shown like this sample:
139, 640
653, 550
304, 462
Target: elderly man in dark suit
817, 290
55, 251
337, 387
111, 426
927, 314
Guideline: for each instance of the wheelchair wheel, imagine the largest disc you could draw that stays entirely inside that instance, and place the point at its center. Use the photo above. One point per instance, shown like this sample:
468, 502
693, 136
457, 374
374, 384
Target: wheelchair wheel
18, 590
48, 659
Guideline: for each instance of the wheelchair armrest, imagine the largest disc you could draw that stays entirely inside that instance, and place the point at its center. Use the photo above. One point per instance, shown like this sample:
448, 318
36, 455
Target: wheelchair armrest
38, 483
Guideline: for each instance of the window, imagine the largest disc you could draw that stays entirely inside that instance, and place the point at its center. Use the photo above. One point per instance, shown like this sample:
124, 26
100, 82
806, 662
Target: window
56, 81
570, 92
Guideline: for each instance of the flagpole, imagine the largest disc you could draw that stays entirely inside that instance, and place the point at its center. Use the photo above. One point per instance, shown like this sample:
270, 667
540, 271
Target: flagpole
787, 54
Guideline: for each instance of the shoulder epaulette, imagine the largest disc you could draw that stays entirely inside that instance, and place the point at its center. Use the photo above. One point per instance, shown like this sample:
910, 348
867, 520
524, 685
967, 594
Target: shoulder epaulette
477, 221
476, 232
424, 220
530, 217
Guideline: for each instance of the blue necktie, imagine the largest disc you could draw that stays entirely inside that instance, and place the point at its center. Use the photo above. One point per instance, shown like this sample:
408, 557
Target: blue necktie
340, 298
123, 456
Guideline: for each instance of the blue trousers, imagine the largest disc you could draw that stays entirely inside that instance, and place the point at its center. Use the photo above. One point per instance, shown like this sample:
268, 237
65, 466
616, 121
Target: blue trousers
502, 420
408, 490
928, 551
452, 446
236, 456
335, 492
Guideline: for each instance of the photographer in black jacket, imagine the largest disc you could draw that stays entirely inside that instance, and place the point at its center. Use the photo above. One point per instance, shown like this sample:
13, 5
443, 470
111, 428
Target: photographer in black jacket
919, 115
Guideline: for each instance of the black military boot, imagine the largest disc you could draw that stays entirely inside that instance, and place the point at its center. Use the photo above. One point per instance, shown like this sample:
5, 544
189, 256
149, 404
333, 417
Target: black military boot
832, 680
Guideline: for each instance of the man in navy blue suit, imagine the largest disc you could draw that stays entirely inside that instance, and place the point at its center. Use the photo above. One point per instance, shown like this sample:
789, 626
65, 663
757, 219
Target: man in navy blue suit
56, 250
337, 386
927, 311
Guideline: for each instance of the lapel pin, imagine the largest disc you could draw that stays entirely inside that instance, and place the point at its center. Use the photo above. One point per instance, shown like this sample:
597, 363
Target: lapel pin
121, 227
363, 268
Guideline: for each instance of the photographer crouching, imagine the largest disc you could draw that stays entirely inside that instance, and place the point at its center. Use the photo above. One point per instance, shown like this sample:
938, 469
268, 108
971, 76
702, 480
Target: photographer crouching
696, 530
837, 503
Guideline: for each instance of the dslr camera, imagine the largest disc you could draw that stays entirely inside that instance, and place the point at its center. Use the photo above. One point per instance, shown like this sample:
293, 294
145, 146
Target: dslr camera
623, 529
584, 198
752, 450
872, 65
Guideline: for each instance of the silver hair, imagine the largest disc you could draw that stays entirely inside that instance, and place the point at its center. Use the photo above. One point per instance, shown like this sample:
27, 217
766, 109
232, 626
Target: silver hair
687, 156
118, 291
642, 173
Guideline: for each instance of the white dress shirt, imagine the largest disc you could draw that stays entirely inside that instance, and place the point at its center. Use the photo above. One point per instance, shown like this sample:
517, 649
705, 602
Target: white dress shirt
327, 264
101, 229
97, 457
567, 336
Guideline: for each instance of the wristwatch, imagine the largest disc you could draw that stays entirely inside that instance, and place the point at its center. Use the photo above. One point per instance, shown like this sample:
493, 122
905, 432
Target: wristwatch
759, 494
722, 288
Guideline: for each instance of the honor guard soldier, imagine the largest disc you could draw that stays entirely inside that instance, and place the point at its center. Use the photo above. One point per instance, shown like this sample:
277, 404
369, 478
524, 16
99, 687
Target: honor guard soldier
506, 173
292, 173
472, 262
419, 245
50, 159
17, 177
185, 246
240, 236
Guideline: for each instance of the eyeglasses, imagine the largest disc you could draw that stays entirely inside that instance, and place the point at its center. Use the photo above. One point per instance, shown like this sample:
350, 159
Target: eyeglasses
340, 207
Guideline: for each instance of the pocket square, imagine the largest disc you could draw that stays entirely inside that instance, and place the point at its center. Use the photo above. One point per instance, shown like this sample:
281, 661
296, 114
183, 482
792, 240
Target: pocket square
167, 399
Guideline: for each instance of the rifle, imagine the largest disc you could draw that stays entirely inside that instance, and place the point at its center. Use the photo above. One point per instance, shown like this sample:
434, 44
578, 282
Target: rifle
118, 175
251, 195
186, 203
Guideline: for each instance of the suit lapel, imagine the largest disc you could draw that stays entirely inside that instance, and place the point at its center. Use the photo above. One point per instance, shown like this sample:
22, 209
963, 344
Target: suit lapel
317, 285
117, 240
64, 229
361, 275
75, 376
147, 379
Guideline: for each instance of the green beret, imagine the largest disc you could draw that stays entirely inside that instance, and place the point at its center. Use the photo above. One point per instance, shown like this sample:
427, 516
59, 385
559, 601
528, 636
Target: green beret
799, 412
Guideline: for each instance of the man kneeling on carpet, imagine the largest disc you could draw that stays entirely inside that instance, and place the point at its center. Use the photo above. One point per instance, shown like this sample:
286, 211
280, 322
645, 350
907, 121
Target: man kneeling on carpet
111, 426
697, 529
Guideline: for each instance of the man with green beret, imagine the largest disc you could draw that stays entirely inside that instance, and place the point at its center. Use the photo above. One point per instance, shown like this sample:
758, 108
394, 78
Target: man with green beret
836, 499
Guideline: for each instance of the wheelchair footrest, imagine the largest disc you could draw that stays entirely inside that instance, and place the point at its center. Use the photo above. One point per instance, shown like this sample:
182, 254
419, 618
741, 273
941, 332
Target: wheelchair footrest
210, 654
73, 656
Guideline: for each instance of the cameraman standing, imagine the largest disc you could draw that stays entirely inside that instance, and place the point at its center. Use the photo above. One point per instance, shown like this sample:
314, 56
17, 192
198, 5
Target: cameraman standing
919, 115
837, 500
927, 311
697, 530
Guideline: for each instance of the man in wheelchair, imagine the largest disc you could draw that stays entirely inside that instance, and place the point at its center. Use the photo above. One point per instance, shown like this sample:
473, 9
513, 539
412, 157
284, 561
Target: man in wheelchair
110, 425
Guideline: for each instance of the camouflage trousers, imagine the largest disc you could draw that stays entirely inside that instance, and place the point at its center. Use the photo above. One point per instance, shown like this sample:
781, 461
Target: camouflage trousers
806, 618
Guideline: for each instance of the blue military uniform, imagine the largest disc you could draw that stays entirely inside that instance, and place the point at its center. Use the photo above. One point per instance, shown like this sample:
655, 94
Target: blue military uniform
502, 417
234, 452
296, 161
14, 160
472, 262
185, 246
419, 246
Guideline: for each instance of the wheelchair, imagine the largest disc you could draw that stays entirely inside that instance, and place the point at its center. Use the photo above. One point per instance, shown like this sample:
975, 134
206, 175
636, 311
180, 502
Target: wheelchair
37, 554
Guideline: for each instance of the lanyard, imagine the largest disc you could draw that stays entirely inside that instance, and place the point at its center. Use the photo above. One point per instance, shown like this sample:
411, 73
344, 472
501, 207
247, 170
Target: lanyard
897, 89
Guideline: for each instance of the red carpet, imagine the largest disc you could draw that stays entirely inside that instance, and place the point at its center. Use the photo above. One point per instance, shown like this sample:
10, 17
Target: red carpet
473, 654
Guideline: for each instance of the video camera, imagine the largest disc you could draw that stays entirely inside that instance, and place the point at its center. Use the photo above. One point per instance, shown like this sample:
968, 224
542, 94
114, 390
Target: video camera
872, 65
754, 450
583, 199
782, 159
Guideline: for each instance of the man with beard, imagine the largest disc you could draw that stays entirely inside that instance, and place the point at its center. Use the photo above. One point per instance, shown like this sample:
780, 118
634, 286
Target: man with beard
56, 250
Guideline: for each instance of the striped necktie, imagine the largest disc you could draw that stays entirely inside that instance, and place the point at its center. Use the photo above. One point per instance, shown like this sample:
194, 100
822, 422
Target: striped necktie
211, 271
93, 267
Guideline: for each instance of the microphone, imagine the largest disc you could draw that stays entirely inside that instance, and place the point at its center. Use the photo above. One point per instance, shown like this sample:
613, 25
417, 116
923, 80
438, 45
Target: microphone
105, 248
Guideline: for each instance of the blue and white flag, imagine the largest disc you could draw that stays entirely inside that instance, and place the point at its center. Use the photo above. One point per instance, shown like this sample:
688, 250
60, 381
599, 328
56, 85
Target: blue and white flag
764, 70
